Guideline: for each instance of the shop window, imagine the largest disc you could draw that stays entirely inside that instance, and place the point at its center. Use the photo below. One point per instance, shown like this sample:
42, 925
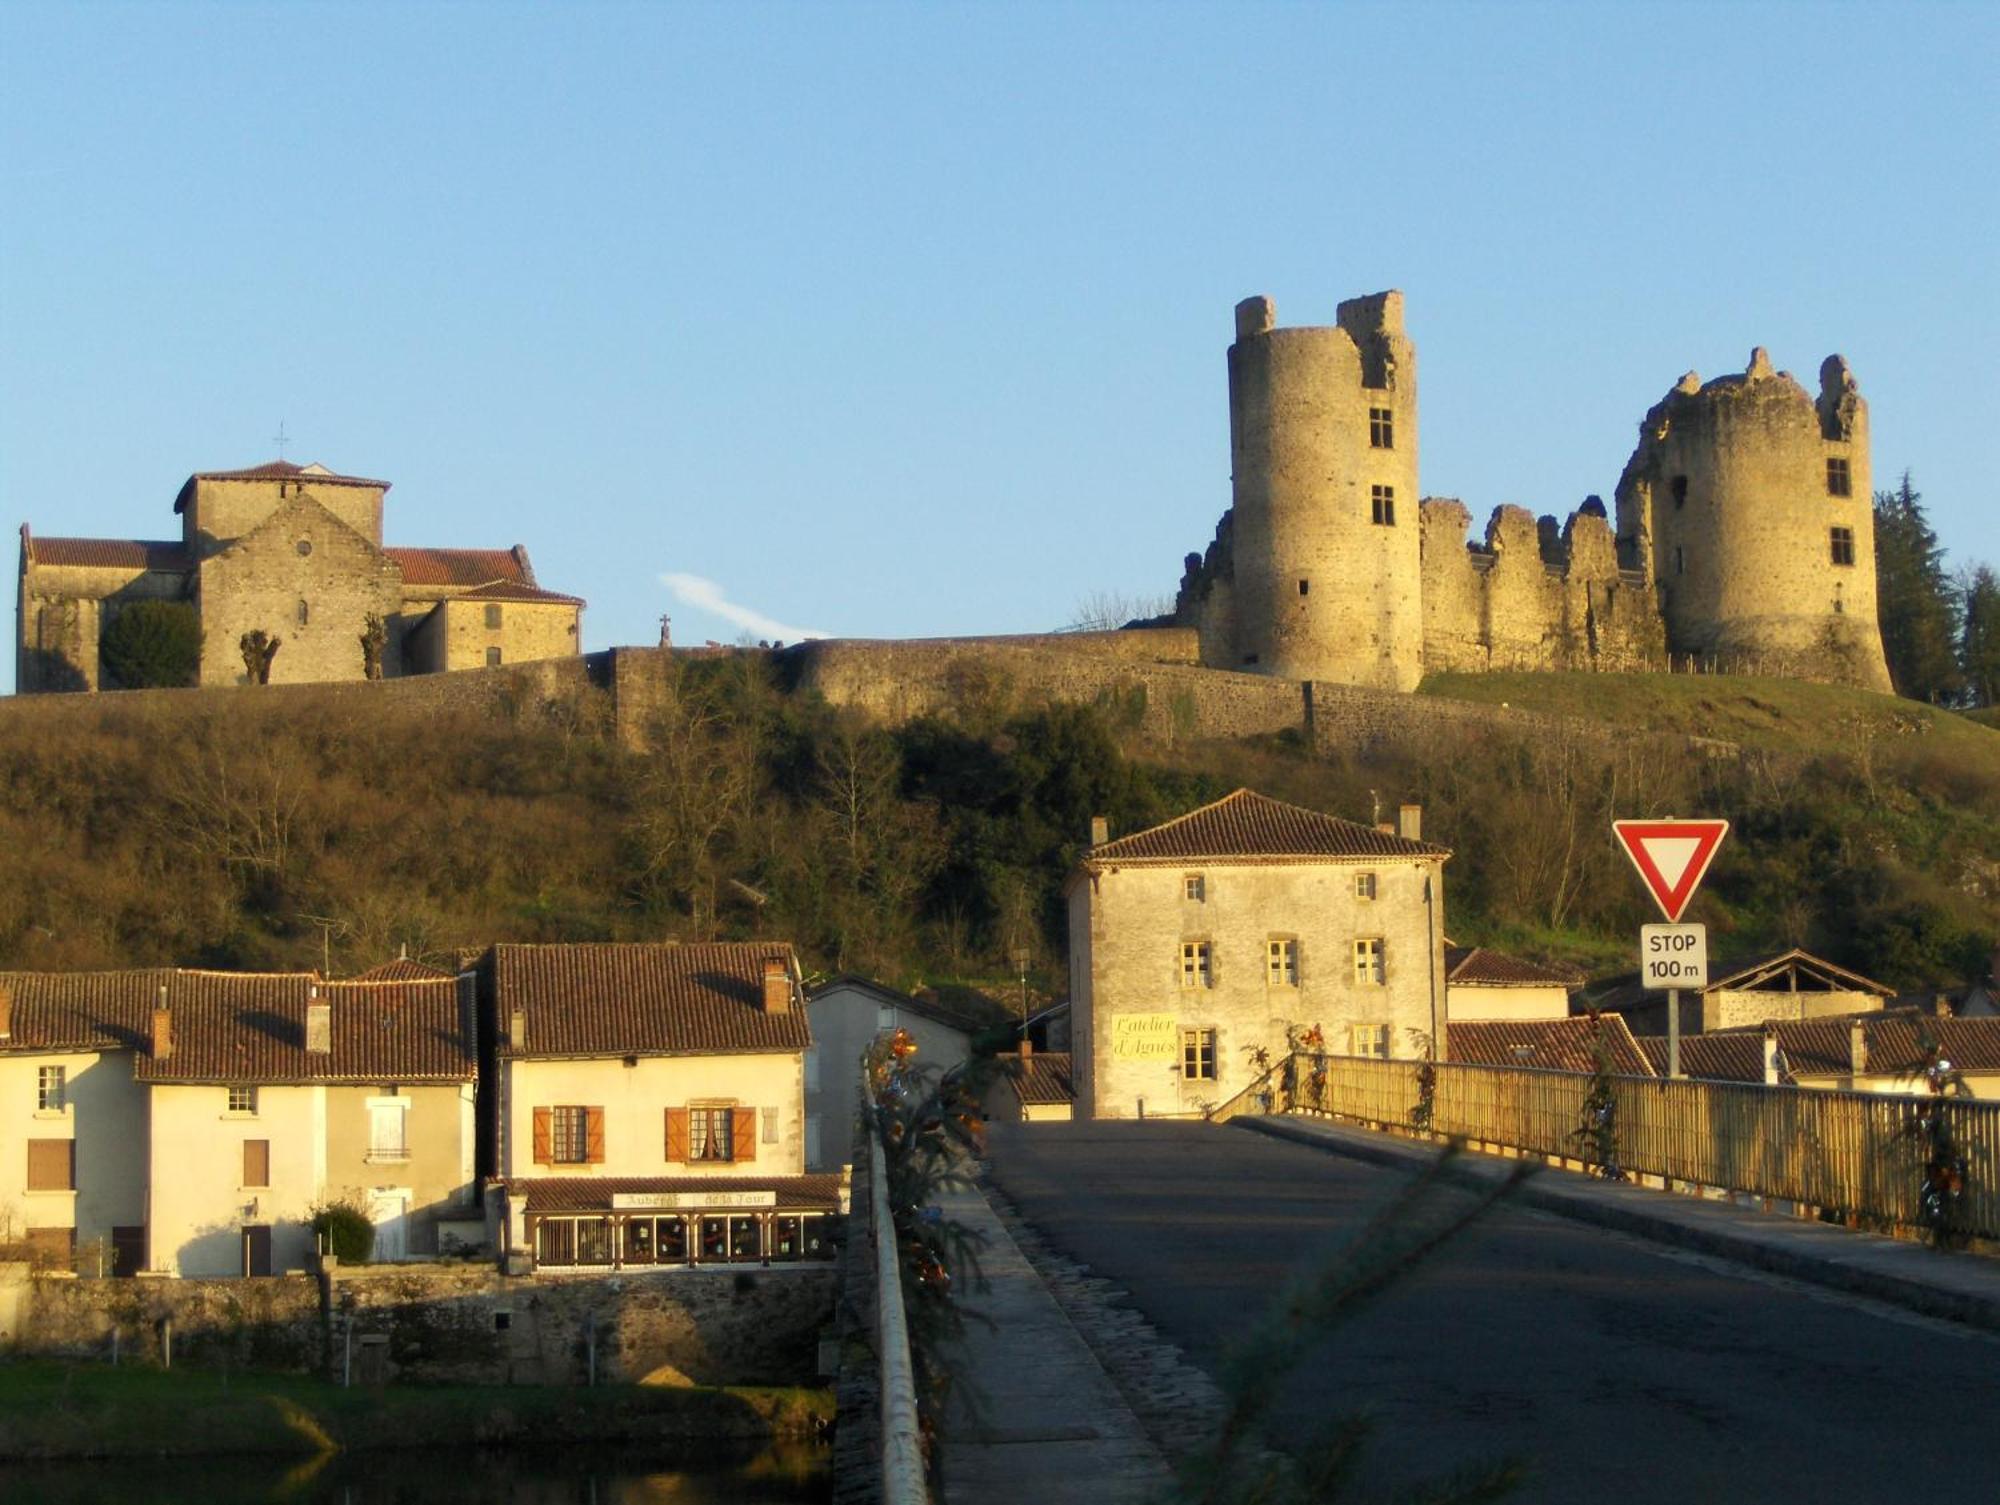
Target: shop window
787, 1238
1382, 506
1371, 1040
1369, 969
715, 1237
51, 1088
1197, 965
1839, 480
1198, 1055
1843, 546
51, 1165
1281, 965
745, 1238
1381, 428
1364, 885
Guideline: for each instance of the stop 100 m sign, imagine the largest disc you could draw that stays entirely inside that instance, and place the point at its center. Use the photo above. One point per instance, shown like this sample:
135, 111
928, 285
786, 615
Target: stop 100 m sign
1673, 956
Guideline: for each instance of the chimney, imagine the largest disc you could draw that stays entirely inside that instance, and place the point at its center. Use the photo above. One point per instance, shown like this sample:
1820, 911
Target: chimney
6, 1013
777, 986
1027, 1047
1770, 1054
1386, 827
517, 1029
319, 1026
1410, 822
1857, 1047
1100, 830
163, 1032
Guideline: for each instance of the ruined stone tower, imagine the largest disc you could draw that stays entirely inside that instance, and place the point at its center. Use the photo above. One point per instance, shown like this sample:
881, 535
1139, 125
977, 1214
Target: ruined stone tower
1749, 507
1322, 545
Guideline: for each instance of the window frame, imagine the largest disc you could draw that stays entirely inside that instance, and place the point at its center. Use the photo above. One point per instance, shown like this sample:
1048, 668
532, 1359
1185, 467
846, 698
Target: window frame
1281, 961
31, 1182
1197, 965
1194, 888
704, 1121
252, 1184
569, 1128
241, 1101
1382, 505
1371, 961
493, 618
1365, 886
1198, 1054
1839, 476
1381, 428
493, 656
52, 1089
1368, 1041
1841, 542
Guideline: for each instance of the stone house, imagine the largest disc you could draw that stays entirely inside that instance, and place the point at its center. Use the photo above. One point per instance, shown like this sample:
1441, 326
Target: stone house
1483, 984
1041, 1089
647, 1105
295, 552
1200, 943
1786, 985
72, 1175
268, 1094
846, 1015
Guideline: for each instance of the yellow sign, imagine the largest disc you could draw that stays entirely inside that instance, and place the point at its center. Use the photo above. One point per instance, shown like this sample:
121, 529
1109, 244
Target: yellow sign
1145, 1037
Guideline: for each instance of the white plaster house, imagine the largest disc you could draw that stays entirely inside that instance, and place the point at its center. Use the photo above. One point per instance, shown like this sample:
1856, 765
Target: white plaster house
1484, 985
72, 1120
1040, 1090
268, 1093
1198, 943
846, 1016
649, 1105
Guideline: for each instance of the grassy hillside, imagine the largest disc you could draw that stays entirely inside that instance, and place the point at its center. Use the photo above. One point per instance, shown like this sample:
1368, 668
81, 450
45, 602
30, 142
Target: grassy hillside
212, 830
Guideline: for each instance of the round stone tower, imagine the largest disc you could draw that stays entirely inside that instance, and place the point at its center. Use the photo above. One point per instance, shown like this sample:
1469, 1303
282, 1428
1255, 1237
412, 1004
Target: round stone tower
1326, 546
1750, 506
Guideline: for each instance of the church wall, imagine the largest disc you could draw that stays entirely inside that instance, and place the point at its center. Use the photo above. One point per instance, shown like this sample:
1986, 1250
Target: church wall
316, 602
225, 510
457, 636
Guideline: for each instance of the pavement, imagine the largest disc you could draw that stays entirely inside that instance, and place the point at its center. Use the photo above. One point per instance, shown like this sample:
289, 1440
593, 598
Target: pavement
1957, 1287
1033, 1416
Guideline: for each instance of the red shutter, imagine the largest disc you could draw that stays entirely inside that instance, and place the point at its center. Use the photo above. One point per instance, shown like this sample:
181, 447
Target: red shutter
544, 1155
742, 1133
677, 1136
593, 1135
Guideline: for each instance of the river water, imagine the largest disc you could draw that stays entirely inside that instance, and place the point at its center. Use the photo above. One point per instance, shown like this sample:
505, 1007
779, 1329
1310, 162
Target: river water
557, 1476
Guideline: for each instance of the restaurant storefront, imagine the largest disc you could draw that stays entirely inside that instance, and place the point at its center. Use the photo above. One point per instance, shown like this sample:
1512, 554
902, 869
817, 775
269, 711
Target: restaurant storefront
574, 1224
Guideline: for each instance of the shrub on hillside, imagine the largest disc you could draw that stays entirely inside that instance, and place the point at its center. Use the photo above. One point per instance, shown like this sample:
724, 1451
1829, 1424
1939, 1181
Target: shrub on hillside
153, 645
345, 1229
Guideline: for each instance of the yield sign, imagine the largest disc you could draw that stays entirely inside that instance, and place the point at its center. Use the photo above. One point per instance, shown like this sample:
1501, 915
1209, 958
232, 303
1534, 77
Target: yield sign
1672, 856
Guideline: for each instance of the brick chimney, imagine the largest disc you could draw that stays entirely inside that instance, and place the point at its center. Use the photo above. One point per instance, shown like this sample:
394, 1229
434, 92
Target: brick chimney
1027, 1047
6, 1011
319, 1025
163, 1033
1857, 1047
1100, 830
777, 986
1410, 822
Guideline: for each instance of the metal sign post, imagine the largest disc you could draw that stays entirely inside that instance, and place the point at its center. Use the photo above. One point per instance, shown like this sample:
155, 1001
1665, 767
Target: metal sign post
1672, 856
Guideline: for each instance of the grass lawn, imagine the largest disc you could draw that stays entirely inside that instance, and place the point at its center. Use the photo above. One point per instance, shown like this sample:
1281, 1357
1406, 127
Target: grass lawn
53, 1409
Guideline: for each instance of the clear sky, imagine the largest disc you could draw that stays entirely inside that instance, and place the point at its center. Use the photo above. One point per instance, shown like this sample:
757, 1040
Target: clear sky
908, 320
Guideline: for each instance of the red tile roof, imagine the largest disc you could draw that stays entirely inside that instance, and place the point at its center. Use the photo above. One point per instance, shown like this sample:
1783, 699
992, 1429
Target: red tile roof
402, 969
251, 1027
1551, 1044
1898, 1045
274, 470
594, 1193
1044, 1079
81, 1010
1735, 1056
458, 566
162, 555
509, 590
926, 1005
1253, 827
1480, 967
621, 999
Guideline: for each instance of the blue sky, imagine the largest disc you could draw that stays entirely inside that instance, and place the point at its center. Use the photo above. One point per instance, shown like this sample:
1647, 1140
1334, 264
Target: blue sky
908, 320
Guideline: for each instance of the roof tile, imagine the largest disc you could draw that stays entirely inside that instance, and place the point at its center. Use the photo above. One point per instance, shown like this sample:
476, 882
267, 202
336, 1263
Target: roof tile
1044, 1079
81, 1010
457, 566
1550, 1044
162, 555
1479, 966
1251, 826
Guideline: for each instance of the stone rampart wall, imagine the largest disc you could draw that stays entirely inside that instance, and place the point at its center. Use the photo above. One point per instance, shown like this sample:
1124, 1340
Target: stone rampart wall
453, 1324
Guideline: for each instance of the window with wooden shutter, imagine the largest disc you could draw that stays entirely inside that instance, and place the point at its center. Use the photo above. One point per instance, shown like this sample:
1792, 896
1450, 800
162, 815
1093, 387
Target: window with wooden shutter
52, 1165
743, 1132
544, 1155
256, 1162
677, 1135
593, 1135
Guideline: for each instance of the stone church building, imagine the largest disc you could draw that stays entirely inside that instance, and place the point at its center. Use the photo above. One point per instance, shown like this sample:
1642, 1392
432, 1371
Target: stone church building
293, 552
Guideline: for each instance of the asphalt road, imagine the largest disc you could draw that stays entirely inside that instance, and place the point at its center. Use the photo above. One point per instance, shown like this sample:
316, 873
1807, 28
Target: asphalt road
1621, 1371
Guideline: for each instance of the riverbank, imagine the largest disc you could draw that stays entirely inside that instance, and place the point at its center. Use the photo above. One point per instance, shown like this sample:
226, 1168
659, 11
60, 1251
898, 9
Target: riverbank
50, 1409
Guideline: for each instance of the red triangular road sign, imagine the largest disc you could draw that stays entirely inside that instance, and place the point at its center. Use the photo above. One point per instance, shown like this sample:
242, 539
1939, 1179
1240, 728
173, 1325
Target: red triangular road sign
1671, 856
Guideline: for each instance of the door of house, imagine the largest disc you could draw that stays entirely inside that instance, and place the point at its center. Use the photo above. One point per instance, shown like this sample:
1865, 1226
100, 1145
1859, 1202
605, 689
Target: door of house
390, 1212
128, 1250
257, 1249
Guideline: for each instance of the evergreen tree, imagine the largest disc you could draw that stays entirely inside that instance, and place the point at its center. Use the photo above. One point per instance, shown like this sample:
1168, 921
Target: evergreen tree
153, 645
1915, 600
1979, 645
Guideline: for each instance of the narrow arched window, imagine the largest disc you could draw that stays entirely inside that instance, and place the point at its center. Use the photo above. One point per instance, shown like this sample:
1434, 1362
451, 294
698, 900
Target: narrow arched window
305, 613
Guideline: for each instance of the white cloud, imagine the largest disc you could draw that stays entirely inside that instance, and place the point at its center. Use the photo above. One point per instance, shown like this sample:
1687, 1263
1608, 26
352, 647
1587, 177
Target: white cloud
706, 595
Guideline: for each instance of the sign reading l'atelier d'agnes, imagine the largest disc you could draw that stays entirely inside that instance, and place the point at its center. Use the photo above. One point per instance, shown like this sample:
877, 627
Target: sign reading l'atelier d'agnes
1145, 1037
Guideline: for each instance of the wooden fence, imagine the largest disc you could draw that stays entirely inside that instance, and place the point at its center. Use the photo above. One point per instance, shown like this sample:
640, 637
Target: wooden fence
1854, 1152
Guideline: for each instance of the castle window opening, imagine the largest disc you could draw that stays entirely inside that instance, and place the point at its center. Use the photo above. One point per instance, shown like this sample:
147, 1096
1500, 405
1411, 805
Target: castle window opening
1364, 885
1193, 887
1680, 489
1304, 586
1382, 504
1680, 560
305, 613
1381, 428
1198, 1055
1843, 546
492, 616
1839, 482
1197, 969
1369, 968
492, 658
1282, 962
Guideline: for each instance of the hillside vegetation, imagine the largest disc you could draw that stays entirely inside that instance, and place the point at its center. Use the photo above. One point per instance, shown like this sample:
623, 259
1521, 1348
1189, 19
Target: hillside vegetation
219, 831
